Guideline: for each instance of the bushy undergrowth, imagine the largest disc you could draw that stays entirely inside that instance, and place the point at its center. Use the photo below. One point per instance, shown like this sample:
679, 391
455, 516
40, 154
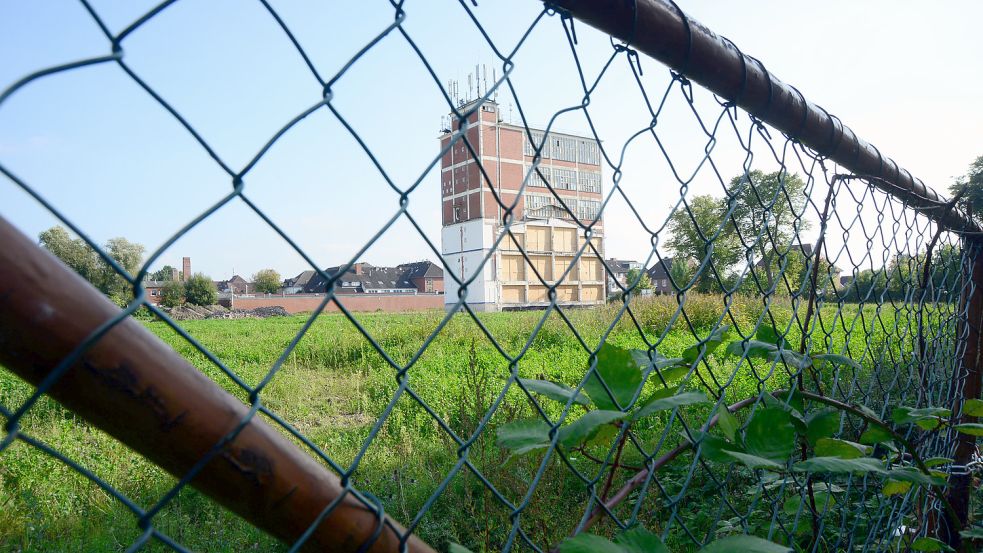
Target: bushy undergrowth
334, 385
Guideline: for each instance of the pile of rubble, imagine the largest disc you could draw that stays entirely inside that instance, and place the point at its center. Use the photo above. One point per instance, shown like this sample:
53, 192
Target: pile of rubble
197, 312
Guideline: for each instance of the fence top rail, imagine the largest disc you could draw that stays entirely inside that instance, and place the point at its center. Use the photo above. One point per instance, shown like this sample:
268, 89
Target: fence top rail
660, 29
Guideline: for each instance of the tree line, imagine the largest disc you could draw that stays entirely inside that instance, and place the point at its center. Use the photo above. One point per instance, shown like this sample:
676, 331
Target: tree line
198, 289
754, 230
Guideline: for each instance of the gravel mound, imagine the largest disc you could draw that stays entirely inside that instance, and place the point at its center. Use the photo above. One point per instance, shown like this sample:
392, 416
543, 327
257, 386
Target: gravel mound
198, 312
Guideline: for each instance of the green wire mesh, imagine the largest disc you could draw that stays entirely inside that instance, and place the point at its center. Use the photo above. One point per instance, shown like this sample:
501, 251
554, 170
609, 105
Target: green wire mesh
898, 311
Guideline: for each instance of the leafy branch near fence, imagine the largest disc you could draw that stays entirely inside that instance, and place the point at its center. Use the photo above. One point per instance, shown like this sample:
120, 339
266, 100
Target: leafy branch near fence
609, 404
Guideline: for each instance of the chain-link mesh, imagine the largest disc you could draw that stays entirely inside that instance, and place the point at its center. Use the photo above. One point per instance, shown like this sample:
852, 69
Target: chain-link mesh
779, 237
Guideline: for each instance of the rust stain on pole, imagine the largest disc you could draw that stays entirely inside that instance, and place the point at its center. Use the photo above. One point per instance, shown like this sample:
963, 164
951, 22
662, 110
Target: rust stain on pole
661, 30
143, 393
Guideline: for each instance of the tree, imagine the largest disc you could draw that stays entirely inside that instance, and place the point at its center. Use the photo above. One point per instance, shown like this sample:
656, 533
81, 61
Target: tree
973, 182
267, 281
172, 294
770, 205
129, 256
680, 272
642, 278
703, 236
72, 252
164, 274
200, 290
84, 260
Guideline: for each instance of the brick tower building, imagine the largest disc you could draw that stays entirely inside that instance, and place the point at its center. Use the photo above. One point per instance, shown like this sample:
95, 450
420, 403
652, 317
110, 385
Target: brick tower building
472, 219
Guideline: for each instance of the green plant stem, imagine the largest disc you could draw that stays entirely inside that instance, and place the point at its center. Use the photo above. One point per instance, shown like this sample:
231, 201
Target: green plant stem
950, 510
583, 451
615, 465
643, 474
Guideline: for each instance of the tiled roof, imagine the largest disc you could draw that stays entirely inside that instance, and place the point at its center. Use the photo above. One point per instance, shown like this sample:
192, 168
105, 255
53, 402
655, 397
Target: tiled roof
374, 278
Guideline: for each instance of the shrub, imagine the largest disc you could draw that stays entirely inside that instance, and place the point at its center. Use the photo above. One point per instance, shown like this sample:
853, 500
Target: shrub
200, 290
172, 294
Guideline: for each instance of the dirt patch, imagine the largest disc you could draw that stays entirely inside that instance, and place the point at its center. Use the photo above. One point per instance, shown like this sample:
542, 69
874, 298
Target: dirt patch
198, 312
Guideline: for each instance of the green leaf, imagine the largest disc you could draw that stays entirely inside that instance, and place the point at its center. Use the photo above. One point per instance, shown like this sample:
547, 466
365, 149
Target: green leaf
727, 422
715, 448
823, 499
556, 392
895, 487
659, 361
976, 532
837, 359
822, 424
589, 543
713, 341
831, 447
929, 544
523, 436
971, 428
457, 548
973, 407
753, 348
770, 335
670, 374
658, 394
792, 358
640, 540
620, 372
604, 435
875, 435
937, 461
743, 544
928, 418
587, 426
685, 398
836, 464
753, 461
791, 404
770, 434
909, 474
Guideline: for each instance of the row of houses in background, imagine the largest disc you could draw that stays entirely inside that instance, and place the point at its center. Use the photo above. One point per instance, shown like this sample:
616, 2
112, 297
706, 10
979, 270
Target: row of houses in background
417, 278
661, 282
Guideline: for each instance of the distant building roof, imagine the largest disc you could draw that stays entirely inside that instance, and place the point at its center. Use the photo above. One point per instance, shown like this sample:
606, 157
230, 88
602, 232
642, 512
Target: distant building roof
618, 266
240, 284
364, 277
302, 279
661, 269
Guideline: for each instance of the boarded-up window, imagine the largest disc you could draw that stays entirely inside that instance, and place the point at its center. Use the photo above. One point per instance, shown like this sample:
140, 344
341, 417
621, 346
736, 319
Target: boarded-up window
566, 293
513, 241
590, 293
538, 239
565, 239
560, 264
537, 294
512, 267
590, 268
513, 294
543, 266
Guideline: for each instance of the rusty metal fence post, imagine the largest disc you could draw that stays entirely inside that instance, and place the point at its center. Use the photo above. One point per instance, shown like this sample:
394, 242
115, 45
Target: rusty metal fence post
145, 394
967, 384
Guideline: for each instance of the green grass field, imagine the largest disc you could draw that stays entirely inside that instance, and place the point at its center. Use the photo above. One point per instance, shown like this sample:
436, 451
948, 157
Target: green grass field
333, 386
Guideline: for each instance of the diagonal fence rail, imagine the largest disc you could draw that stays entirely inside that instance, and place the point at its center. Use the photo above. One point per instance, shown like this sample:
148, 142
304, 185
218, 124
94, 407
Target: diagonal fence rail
817, 283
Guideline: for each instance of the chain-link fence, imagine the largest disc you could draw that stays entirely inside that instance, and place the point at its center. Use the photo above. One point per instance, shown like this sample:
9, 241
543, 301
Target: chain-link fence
855, 283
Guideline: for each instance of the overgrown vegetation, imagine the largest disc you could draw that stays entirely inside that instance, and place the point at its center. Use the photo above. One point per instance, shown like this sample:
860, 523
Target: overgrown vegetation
334, 385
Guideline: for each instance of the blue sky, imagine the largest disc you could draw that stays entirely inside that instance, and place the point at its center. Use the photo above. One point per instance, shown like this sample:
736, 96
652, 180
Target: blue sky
96, 145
